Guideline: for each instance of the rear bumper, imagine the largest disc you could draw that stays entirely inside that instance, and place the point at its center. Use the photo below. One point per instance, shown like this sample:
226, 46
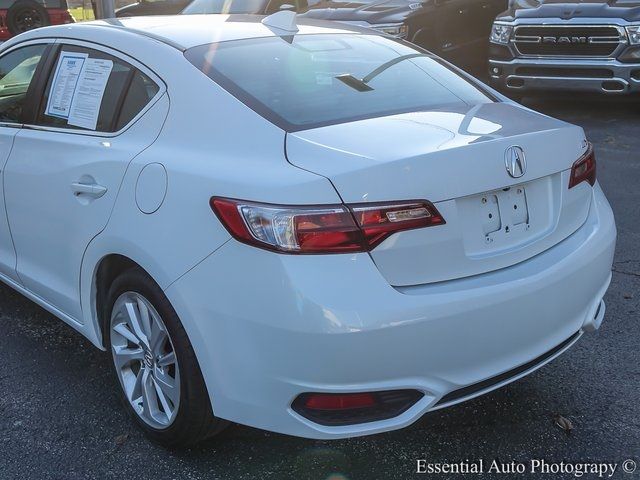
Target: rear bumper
268, 327
596, 76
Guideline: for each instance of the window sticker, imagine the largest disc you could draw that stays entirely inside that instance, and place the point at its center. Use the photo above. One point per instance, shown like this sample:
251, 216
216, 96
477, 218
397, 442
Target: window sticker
64, 83
87, 98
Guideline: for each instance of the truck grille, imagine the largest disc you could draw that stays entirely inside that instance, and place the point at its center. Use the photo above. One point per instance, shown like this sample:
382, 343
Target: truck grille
581, 40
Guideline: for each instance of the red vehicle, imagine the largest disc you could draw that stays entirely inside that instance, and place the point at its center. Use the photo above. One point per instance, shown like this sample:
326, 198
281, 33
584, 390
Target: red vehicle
17, 16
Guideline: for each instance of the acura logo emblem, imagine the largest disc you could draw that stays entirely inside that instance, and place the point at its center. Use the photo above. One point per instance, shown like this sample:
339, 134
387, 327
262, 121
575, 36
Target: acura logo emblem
148, 359
515, 162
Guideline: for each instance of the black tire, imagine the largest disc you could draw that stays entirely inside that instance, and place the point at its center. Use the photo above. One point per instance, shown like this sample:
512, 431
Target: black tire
194, 420
26, 15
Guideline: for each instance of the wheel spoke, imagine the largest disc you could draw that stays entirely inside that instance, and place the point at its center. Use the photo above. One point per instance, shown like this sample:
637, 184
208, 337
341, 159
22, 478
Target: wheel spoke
123, 330
158, 335
124, 356
168, 385
163, 400
147, 395
134, 321
136, 391
166, 360
145, 317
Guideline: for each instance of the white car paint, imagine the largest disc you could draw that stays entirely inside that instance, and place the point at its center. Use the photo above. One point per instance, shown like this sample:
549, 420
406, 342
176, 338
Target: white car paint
430, 146
7, 252
48, 265
430, 309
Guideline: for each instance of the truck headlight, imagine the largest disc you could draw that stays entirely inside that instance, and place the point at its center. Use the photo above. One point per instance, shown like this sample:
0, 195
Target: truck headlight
501, 33
634, 34
398, 30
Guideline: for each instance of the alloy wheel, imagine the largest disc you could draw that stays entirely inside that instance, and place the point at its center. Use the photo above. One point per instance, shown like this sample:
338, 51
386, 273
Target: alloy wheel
145, 360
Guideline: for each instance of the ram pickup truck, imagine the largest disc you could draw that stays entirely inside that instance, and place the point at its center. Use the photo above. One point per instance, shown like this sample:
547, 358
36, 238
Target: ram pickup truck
588, 45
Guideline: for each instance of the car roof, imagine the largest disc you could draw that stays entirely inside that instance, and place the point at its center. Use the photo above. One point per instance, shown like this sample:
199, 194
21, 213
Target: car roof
186, 31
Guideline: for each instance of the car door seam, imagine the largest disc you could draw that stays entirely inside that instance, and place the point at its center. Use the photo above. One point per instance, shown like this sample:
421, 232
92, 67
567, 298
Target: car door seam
6, 210
117, 194
286, 156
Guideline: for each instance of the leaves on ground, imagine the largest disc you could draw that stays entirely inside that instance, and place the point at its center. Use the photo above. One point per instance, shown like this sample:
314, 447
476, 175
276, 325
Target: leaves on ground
563, 423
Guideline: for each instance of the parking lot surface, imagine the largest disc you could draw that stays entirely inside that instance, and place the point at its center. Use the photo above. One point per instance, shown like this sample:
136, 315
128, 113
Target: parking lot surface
60, 417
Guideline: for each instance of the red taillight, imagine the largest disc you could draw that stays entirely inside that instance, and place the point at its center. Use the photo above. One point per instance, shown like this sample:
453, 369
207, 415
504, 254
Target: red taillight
290, 229
321, 229
378, 222
584, 169
323, 232
227, 211
329, 401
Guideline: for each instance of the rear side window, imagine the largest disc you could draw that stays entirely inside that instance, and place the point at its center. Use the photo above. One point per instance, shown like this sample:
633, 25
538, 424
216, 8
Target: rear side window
307, 81
91, 90
17, 69
141, 90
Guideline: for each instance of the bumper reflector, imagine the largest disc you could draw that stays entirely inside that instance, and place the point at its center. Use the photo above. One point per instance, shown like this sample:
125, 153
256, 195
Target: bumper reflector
335, 409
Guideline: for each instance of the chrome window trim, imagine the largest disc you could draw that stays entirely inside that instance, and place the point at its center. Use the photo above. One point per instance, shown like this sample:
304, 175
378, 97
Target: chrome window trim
162, 89
26, 43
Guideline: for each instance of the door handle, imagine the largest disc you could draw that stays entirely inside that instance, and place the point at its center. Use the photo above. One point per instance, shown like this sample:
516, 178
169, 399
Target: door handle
88, 189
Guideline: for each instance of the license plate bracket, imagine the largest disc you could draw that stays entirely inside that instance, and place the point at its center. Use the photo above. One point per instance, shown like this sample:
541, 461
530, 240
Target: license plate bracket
504, 213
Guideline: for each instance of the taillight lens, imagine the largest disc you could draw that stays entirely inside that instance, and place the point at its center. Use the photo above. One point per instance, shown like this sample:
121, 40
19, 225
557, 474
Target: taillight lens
378, 222
322, 229
290, 229
584, 169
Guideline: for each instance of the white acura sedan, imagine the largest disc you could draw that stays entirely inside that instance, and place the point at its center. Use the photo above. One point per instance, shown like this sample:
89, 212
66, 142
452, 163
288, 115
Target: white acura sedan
312, 229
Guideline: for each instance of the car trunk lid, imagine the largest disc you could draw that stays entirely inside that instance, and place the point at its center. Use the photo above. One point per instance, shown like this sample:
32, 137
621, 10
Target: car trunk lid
455, 158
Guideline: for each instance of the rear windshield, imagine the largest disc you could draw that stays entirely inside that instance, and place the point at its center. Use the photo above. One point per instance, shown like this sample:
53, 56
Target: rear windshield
307, 81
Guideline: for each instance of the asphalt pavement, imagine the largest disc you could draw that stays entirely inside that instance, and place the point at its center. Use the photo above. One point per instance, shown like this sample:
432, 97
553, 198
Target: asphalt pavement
60, 416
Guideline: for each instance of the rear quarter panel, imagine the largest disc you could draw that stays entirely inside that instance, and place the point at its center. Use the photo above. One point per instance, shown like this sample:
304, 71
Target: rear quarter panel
210, 145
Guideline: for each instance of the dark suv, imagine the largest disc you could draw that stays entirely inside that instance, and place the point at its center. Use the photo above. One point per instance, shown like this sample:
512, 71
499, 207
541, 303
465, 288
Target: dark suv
453, 29
22, 15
